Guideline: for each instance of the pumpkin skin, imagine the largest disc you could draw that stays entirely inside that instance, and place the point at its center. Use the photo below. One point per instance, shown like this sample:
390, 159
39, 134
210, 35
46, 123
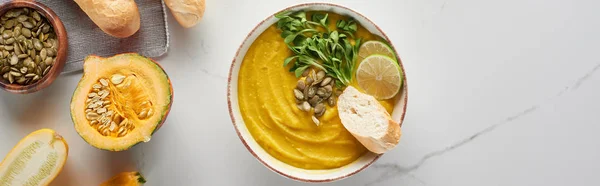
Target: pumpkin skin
144, 83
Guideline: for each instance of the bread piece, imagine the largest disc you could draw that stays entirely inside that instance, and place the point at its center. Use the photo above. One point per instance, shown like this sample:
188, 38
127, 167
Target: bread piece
187, 12
118, 18
368, 121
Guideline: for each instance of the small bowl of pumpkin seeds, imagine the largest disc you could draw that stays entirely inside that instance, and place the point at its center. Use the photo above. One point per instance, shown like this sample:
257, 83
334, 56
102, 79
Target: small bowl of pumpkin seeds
33, 46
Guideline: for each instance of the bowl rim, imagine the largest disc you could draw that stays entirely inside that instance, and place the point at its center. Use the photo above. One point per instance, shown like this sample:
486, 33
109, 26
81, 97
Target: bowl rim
229, 85
62, 49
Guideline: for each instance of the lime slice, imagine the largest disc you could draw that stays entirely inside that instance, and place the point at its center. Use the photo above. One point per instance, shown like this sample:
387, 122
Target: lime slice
379, 76
36, 160
374, 47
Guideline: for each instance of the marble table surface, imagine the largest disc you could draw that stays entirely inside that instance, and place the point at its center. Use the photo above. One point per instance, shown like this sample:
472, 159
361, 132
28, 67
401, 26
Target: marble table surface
500, 93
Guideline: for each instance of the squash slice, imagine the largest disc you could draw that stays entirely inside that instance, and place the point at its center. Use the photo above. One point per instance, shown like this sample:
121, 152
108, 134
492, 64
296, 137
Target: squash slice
35, 160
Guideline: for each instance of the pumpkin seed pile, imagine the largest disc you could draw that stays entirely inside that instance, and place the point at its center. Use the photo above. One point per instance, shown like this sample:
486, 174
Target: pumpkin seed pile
28, 46
104, 111
313, 91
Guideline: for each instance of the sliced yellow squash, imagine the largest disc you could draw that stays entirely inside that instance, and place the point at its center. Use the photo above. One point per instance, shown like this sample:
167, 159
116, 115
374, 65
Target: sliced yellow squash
36, 160
125, 179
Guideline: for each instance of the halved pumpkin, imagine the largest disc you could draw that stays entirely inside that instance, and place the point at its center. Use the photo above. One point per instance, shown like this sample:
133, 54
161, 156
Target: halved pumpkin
36, 160
120, 101
125, 179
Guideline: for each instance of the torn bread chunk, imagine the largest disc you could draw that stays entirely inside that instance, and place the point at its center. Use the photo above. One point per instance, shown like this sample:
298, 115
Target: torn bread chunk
365, 118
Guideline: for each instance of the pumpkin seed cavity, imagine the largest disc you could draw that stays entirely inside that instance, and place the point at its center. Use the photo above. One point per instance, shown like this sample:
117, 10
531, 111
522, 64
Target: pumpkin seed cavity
115, 103
28, 44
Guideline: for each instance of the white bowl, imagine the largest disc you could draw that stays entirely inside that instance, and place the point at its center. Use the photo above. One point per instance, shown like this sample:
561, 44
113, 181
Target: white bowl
256, 150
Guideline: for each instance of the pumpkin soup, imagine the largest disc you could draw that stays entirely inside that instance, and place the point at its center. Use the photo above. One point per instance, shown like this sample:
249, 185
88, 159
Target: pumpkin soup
275, 121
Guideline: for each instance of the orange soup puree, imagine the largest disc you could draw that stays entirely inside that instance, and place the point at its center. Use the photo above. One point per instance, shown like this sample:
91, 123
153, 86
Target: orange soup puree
268, 106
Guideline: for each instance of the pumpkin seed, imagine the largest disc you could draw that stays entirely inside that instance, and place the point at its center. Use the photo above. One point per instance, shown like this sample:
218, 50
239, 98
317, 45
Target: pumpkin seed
91, 116
6, 34
9, 41
21, 80
325, 81
298, 94
17, 50
36, 16
97, 86
37, 44
319, 110
305, 106
319, 77
14, 60
47, 44
328, 89
46, 29
17, 31
26, 32
104, 82
117, 79
9, 23
150, 112
51, 52
311, 91
22, 18
121, 132
331, 101
5, 69
142, 114
321, 92
316, 121
49, 61
101, 110
305, 73
46, 70
27, 24
15, 74
301, 85
314, 101
37, 32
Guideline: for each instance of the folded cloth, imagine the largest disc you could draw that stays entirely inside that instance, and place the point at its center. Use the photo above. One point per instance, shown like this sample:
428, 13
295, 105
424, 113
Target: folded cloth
85, 38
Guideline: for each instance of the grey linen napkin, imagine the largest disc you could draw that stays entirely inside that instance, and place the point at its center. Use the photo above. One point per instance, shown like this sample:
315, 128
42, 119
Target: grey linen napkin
85, 38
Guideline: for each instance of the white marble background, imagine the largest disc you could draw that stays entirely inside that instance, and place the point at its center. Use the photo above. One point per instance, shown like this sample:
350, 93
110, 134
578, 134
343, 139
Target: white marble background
500, 93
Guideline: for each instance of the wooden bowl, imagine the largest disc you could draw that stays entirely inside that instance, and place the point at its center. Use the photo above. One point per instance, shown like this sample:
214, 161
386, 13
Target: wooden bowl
299, 174
61, 56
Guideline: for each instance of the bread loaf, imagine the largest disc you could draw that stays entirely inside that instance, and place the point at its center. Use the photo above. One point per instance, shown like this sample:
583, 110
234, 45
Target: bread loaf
368, 121
119, 18
187, 12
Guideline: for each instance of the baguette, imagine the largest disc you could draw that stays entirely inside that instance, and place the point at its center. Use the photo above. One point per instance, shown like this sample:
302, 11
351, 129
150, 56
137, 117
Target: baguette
118, 18
187, 12
368, 121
